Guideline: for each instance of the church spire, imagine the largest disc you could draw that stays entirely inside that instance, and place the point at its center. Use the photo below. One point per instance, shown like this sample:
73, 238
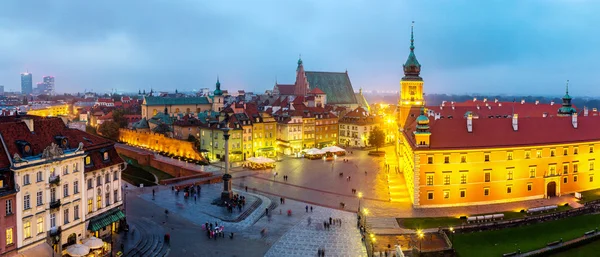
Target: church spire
412, 67
218, 90
567, 87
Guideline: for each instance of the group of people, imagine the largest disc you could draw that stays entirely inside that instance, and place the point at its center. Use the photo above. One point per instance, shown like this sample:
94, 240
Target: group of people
214, 230
238, 201
188, 191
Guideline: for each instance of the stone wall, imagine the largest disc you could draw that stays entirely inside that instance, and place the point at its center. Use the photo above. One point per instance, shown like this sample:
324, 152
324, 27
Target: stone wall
160, 143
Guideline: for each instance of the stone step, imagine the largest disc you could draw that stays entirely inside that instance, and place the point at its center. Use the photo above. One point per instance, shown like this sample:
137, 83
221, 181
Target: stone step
137, 229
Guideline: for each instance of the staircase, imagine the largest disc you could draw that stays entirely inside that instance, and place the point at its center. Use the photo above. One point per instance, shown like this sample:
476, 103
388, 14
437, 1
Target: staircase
151, 243
396, 183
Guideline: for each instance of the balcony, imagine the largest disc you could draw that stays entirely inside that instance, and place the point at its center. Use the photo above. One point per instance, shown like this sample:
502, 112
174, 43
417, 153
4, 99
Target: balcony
55, 231
55, 204
54, 180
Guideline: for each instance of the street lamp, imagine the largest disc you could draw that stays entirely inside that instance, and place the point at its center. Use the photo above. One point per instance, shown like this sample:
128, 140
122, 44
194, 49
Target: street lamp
420, 234
452, 236
365, 213
359, 197
373, 245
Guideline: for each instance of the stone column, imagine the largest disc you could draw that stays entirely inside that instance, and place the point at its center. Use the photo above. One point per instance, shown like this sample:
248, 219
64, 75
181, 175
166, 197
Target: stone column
227, 194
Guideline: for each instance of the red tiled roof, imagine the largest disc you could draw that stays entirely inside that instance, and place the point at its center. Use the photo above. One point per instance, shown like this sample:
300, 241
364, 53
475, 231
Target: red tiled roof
108, 116
285, 89
498, 132
316, 91
298, 100
105, 100
500, 108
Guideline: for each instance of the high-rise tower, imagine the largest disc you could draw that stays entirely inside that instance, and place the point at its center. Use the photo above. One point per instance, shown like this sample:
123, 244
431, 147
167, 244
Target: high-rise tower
26, 83
411, 85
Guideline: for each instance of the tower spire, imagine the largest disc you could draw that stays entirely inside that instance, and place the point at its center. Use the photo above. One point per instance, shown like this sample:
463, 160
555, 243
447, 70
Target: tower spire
412, 38
567, 86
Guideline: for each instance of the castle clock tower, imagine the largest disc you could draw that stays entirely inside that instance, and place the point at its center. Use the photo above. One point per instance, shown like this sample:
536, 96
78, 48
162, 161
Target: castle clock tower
411, 86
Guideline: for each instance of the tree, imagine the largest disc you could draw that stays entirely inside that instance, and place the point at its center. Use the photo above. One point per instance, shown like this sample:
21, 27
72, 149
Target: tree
109, 129
191, 138
90, 130
377, 138
118, 117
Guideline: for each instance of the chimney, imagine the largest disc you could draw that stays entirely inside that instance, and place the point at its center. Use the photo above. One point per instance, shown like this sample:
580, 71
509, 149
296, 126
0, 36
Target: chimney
478, 107
552, 102
441, 107
484, 100
496, 100
500, 104
29, 123
522, 101
443, 103
437, 116
515, 122
470, 123
474, 99
537, 102
585, 111
489, 107
452, 107
545, 115
574, 120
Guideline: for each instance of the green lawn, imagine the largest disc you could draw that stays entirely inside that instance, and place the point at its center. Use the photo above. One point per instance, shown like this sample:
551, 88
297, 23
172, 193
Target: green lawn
590, 249
158, 173
590, 195
526, 238
445, 222
139, 172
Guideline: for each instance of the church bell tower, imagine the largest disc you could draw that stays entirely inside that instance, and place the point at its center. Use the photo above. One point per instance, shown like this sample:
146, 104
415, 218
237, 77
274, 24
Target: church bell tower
411, 85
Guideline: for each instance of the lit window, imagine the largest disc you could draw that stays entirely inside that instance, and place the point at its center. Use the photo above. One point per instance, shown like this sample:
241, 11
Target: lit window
575, 150
591, 165
430, 179
27, 229
463, 193
565, 179
463, 178
105, 156
40, 225
575, 167
509, 156
99, 202
88, 160
591, 149
509, 174
9, 236
90, 207
591, 178
552, 170
447, 179
566, 168
538, 153
527, 154
575, 178
486, 191
486, 157
446, 159
565, 151
509, 189
446, 194
463, 159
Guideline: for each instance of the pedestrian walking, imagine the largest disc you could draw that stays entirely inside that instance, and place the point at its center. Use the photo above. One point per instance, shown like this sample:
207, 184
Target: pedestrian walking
330, 220
311, 208
309, 220
306, 208
267, 211
246, 188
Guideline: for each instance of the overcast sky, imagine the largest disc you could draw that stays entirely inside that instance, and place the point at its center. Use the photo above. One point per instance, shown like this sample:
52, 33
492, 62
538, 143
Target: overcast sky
509, 47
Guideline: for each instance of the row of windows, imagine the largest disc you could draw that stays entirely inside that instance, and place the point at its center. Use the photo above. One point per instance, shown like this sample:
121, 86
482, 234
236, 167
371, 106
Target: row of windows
107, 201
509, 173
27, 232
40, 174
509, 155
486, 190
115, 177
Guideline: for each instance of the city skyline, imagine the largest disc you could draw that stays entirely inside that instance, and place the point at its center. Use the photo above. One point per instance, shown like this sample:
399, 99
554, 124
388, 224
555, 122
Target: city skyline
465, 47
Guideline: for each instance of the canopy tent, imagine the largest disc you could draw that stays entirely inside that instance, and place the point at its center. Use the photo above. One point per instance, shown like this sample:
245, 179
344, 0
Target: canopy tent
333, 149
314, 151
42, 249
93, 242
78, 250
260, 160
259, 163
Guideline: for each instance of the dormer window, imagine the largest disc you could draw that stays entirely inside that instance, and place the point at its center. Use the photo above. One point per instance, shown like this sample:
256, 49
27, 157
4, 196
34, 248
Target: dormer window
25, 148
88, 161
105, 156
62, 141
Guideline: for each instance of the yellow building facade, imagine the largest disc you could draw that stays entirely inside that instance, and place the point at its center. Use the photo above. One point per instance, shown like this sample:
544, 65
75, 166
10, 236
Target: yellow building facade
51, 111
462, 161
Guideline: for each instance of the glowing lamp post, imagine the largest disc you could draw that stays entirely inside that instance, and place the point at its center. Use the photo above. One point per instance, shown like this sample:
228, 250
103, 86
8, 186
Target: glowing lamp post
373, 240
452, 236
420, 235
359, 197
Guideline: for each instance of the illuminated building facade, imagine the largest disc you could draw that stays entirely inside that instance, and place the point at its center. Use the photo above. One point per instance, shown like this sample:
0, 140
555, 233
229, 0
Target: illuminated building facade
480, 152
356, 126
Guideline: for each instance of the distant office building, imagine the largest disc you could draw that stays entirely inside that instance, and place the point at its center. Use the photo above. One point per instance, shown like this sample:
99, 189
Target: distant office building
49, 85
26, 83
1, 90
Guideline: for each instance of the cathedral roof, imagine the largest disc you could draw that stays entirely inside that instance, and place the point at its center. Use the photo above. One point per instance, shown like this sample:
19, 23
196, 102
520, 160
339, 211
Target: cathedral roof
336, 85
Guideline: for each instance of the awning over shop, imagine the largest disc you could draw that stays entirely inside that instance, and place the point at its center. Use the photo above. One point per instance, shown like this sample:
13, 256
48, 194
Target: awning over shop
105, 219
39, 250
266, 149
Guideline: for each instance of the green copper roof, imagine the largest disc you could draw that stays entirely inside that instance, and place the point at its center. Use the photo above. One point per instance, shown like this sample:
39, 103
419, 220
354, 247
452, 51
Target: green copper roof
567, 96
422, 118
155, 100
412, 67
336, 85
161, 118
141, 124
